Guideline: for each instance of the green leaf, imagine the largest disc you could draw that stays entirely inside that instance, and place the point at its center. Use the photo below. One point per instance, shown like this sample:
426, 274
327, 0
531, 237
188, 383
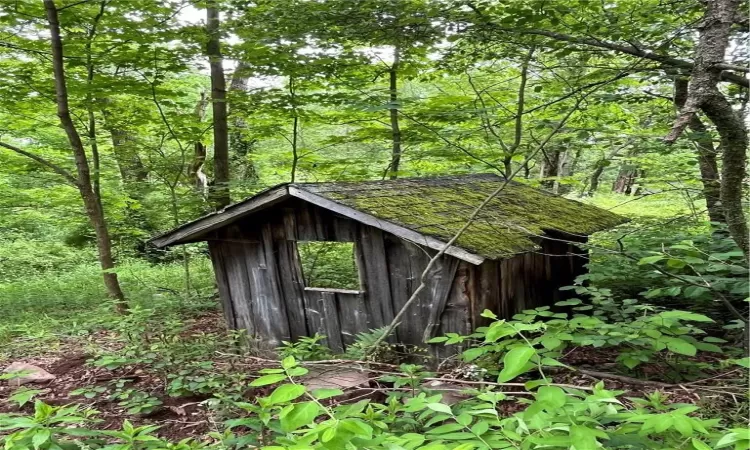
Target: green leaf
473, 353
440, 407
288, 362
268, 379
514, 363
286, 393
698, 445
682, 425
324, 393
302, 414
583, 438
551, 343
41, 436
480, 428
728, 439
488, 314
552, 396
650, 260
681, 347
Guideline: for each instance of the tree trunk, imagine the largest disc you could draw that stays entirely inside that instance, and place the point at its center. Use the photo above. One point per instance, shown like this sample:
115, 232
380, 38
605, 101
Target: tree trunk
132, 170
197, 177
567, 169
599, 167
550, 167
626, 179
520, 108
295, 129
704, 144
395, 128
220, 195
240, 145
91, 202
704, 94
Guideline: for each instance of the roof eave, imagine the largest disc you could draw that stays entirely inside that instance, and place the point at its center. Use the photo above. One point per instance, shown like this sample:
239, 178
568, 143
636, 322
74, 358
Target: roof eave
192, 231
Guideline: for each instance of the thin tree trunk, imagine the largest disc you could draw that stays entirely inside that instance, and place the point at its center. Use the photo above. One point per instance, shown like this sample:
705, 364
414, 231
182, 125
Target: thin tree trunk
551, 167
240, 145
395, 127
132, 170
704, 95
520, 108
91, 202
196, 175
128, 162
599, 167
295, 129
295, 153
220, 193
626, 179
704, 144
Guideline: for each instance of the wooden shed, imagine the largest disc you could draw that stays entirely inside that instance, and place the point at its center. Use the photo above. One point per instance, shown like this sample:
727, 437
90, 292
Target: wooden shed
516, 255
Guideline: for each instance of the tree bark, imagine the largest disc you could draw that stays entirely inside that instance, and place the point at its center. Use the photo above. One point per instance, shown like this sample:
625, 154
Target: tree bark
550, 167
625, 179
220, 194
599, 167
294, 141
196, 175
395, 127
91, 202
704, 95
520, 107
630, 49
709, 169
240, 145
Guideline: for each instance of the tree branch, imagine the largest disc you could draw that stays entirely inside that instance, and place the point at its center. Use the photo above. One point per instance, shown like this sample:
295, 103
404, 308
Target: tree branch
57, 169
626, 49
470, 221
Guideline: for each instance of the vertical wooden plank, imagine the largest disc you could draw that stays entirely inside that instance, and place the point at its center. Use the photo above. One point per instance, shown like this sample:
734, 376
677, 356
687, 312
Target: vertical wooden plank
217, 260
292, 288
314, 313
456, 317
268, 309
331, 321
489, 295
343, 229
399, 268
239, 286
290, 276
440, 284
353, 316
304, 222
375, 276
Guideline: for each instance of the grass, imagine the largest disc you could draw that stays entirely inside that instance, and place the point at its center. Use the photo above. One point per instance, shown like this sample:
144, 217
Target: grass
40, 310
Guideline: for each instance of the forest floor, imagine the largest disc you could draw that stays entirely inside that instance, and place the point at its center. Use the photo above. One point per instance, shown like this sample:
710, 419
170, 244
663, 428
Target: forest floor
74, 365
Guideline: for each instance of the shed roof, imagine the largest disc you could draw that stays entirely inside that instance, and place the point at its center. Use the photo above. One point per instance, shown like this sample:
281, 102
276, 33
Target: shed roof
430, 211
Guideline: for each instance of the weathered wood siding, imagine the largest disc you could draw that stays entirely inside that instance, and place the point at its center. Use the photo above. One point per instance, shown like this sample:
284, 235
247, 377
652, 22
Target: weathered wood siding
262, 286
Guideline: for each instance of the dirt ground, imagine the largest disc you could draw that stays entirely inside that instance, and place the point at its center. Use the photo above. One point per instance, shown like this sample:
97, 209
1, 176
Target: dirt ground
184, 417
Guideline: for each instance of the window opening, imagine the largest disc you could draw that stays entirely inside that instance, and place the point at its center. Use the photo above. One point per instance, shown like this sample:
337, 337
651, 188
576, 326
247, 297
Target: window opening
329, 265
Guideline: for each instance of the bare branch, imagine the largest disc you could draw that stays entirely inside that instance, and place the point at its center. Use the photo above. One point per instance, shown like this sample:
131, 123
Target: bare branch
57, 169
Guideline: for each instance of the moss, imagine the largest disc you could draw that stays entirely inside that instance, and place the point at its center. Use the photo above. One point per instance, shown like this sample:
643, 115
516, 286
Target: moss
439, 207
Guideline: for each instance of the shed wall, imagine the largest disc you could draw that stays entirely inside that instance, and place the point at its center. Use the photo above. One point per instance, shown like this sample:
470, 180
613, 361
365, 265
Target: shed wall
262, 287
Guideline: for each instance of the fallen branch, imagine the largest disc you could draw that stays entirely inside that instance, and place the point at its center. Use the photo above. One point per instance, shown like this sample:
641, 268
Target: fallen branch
625, 379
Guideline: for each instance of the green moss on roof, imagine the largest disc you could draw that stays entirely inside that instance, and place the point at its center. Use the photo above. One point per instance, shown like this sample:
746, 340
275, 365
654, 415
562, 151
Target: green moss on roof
439, 207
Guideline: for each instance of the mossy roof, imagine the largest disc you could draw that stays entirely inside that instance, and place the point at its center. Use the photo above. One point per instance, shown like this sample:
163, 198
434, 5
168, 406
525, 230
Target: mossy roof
510, 223
436, 208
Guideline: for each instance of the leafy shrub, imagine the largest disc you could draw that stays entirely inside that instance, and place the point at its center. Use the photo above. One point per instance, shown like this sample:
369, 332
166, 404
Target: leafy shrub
535, 338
